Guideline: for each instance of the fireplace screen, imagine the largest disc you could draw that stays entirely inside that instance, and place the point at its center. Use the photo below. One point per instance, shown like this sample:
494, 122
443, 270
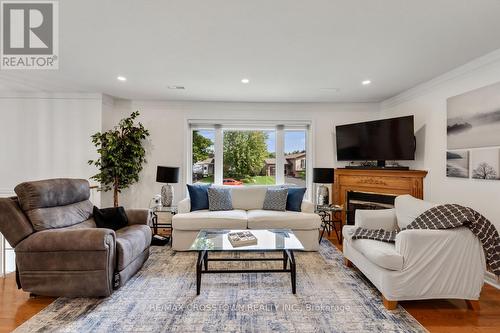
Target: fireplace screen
365, 200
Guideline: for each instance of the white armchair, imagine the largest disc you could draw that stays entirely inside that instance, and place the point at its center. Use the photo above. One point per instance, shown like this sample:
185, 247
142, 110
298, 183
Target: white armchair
422, 264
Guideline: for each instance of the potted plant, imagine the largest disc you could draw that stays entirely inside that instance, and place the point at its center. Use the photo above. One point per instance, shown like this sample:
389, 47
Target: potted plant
122, 155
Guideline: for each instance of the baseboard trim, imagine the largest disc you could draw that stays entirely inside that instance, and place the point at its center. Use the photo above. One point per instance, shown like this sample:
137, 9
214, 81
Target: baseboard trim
492, 280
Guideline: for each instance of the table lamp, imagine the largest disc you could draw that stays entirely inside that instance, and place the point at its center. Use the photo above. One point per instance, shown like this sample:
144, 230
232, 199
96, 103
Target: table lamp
167, 175
323, 176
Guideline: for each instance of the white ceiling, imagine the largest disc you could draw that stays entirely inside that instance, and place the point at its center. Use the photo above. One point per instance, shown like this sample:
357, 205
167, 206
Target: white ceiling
289, 49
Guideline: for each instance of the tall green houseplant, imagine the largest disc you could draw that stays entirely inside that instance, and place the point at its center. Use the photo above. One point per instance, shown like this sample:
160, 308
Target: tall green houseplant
122, 155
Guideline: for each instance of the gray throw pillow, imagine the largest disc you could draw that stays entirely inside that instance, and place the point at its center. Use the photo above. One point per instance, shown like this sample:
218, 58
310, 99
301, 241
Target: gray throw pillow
275, 199
219, 199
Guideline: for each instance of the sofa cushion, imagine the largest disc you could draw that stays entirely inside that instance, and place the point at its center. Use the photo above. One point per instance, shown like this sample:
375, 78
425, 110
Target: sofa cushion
60, 216
90, 223
294, 199
131, 242
248, 197
275, 199
52, 193
269, 219
198, 194
409, 208
205, 219
55, 203
382, 254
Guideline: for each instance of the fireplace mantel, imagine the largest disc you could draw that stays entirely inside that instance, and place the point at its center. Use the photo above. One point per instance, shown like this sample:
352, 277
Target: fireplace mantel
385, 181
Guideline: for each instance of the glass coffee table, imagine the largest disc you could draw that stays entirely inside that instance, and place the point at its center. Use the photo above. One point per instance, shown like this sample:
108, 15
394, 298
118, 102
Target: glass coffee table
273, 240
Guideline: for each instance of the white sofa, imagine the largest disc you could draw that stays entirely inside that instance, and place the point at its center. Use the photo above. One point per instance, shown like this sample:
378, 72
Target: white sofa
422, 264
247, 214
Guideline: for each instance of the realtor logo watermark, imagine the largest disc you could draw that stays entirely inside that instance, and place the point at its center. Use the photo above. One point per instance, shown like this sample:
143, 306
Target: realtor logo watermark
30, 38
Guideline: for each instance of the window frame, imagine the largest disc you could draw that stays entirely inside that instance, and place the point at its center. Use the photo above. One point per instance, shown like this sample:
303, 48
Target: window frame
278, 126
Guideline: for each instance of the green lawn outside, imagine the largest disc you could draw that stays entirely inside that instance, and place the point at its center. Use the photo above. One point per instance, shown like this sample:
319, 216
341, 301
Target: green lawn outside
260, 180
209, 179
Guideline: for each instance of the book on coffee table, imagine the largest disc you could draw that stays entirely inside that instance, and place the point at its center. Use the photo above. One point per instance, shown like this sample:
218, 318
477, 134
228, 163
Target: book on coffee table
241, 238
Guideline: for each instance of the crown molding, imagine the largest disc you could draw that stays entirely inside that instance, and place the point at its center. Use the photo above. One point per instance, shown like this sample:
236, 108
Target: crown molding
108, 100
48, 95
426, 87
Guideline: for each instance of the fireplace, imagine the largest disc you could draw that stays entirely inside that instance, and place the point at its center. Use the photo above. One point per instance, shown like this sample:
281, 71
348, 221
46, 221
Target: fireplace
366, 200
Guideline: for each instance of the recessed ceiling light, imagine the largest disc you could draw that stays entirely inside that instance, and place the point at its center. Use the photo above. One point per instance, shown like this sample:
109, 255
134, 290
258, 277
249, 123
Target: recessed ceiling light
366, 82
176, 87
245, 81
121, 78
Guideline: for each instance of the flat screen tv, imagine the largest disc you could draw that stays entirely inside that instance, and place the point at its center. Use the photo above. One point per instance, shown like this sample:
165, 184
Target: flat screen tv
380, 140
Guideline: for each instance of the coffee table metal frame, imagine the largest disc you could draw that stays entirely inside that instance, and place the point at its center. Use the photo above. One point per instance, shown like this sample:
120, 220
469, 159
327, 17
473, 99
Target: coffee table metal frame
288, 261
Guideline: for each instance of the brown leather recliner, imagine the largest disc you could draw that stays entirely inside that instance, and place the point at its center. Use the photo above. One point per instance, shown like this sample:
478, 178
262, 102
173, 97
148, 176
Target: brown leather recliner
59, 250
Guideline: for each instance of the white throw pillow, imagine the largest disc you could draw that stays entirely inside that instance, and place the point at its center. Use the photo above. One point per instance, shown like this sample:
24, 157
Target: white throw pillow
409, 208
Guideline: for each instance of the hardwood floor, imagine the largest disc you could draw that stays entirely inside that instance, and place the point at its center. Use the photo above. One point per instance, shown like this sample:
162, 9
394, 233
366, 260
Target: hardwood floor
436, 315
16, 306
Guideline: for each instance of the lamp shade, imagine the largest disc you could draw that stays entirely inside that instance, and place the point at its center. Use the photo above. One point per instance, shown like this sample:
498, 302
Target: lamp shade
323, 175
167, 174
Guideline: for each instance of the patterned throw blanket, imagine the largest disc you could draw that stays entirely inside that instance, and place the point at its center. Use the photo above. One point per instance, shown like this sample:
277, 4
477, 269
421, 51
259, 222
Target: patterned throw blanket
446, 217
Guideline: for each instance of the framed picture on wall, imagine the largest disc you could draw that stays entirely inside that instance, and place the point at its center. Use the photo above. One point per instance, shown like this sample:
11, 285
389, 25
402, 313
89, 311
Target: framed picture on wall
473, 118
485, 164
457, 164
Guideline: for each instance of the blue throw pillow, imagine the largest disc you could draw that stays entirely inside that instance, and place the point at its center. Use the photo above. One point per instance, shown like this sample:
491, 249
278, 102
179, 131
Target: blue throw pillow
294, 198
198, 194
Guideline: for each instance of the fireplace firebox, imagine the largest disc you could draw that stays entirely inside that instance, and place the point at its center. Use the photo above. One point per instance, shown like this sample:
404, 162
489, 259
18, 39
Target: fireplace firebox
366, 200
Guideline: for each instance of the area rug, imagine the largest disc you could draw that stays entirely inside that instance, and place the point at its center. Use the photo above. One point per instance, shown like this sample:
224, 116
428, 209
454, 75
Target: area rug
162, 298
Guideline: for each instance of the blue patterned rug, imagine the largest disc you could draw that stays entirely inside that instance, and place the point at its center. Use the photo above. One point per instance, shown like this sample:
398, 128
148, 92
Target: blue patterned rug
162, 298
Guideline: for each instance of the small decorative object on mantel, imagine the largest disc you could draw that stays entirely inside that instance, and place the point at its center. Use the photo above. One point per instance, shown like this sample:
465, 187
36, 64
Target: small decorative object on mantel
323, 176
167, 175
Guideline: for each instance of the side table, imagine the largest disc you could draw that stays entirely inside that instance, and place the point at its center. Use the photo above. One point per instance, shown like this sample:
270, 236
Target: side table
330, 215
161, 217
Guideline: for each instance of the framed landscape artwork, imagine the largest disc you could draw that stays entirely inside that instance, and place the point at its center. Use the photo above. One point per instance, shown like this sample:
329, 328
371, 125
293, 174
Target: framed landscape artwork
485, 163
474, 119
473, 122
457, 164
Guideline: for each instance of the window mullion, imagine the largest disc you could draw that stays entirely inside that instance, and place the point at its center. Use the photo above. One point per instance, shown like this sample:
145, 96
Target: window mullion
218, 152
280, 154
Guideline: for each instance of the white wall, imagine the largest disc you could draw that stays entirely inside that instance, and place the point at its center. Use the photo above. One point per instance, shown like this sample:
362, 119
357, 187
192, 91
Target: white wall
46, 136
167, 122
43, 137
428, 103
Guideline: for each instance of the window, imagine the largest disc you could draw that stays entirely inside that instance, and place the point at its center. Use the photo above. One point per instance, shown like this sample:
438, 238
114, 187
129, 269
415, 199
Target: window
249, 157
202, 152
295, 157
249, 154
